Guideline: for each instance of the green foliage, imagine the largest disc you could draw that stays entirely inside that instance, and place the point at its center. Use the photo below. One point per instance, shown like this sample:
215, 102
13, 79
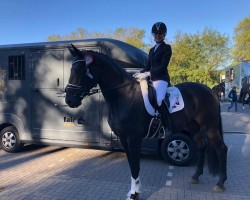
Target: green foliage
197, 57
54, 37
241, 49
131, 36
79, 34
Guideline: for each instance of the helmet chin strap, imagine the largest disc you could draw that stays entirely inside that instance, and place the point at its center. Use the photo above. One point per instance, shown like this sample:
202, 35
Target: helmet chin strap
160, 42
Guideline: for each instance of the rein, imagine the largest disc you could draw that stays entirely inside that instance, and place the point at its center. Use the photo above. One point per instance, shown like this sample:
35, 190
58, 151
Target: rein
94, 91
117, 87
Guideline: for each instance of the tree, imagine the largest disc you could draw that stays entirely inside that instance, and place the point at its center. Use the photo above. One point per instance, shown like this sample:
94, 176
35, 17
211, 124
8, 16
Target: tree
197, 57
241, 49
54, 37
132, 35
79, 34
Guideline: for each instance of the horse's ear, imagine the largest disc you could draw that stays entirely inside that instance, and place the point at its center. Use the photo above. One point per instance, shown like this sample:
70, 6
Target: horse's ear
71, 51
76, 50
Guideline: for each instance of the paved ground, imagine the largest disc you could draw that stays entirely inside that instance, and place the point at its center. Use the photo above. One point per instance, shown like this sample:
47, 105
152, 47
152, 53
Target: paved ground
235, 122
53, 173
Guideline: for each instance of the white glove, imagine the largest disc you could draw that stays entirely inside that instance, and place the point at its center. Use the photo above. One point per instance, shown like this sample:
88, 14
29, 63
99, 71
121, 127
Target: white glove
141, 76
135, 75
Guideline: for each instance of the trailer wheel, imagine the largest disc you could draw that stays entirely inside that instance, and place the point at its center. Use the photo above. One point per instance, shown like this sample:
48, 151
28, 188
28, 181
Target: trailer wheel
9, 140
178, 149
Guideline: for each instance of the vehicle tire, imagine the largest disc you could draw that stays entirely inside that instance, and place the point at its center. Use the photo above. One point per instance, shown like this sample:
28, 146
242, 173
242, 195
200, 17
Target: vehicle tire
178, 149
9, 140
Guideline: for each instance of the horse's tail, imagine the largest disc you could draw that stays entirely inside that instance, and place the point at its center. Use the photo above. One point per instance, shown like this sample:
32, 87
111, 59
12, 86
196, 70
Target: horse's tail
212, 156
220, 123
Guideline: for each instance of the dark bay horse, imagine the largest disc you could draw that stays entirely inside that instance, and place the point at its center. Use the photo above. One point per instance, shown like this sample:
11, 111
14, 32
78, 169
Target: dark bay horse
243, 92
218, 89
129, 119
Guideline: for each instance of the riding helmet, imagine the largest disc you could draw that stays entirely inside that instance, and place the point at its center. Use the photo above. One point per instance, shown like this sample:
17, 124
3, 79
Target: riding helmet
159, 27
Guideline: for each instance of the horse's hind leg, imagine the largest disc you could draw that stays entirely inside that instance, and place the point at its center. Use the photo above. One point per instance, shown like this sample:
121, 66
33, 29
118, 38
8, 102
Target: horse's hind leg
222, 156
217, 158
201, 142
199, 167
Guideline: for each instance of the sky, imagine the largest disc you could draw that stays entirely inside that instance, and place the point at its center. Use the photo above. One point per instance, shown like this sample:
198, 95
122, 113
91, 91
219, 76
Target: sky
29, 21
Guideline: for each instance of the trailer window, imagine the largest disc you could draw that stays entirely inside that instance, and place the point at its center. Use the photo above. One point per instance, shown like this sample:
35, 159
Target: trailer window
17, 67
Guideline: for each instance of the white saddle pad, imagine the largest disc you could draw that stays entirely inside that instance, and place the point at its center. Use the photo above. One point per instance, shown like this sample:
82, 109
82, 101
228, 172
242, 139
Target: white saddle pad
144, 90
175, 99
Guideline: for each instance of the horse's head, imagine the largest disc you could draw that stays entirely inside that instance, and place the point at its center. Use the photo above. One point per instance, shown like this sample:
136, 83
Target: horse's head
81, 79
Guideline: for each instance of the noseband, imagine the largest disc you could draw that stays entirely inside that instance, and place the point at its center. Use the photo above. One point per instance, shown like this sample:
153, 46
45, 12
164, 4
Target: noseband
78, 87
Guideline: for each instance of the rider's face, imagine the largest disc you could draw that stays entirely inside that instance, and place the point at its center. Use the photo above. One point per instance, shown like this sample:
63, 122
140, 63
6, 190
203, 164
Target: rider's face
158, 37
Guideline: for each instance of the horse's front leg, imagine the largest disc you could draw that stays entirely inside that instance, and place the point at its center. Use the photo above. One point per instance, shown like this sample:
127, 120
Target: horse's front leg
133, 149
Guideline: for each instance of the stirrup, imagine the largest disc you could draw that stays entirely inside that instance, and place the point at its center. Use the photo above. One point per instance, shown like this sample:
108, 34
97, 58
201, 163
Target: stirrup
154, 127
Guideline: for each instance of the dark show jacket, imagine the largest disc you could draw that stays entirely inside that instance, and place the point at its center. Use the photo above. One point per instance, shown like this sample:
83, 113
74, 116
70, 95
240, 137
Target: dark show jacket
158, 62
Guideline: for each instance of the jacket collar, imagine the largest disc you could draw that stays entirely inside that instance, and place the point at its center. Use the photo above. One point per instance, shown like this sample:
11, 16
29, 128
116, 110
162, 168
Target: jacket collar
159, 47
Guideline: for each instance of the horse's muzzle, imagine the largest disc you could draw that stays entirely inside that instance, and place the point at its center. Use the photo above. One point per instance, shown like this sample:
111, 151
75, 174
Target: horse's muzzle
72, 102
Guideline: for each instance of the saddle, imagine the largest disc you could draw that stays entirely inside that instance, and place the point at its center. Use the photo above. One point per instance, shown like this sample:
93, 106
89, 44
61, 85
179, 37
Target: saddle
152, 96
161, 120
173, 102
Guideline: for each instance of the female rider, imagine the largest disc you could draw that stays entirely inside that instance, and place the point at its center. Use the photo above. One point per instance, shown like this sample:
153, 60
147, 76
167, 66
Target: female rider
157, 66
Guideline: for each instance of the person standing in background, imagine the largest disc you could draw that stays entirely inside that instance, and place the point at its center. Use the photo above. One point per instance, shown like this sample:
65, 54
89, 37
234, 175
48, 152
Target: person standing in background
233, 99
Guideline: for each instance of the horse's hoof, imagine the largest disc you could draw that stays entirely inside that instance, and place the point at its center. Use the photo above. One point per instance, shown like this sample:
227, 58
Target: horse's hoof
1, 189
193, 181
218, 189
134, 196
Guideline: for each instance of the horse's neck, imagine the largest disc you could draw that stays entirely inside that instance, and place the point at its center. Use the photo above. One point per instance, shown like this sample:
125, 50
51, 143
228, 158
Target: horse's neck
110, 74
115, 86
112, 78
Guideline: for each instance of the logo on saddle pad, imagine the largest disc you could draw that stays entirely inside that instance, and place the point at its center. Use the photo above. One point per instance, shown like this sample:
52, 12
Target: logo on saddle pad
175, 99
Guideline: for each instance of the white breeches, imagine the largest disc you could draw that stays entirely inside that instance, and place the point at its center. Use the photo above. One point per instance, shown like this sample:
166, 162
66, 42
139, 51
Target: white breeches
161, 89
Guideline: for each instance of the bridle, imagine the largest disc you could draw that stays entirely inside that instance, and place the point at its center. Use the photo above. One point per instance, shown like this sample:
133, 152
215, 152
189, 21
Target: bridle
73, 86
92, 91
80, 90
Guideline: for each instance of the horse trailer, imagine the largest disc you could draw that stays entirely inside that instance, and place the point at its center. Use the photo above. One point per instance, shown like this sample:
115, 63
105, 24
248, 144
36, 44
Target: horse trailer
237, 75
32, 100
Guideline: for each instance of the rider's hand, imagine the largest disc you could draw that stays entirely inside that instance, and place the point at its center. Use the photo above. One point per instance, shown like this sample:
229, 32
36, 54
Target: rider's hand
135, 75
141, 76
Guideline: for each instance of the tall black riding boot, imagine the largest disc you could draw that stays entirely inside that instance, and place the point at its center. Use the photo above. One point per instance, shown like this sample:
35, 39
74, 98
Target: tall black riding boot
165, 116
